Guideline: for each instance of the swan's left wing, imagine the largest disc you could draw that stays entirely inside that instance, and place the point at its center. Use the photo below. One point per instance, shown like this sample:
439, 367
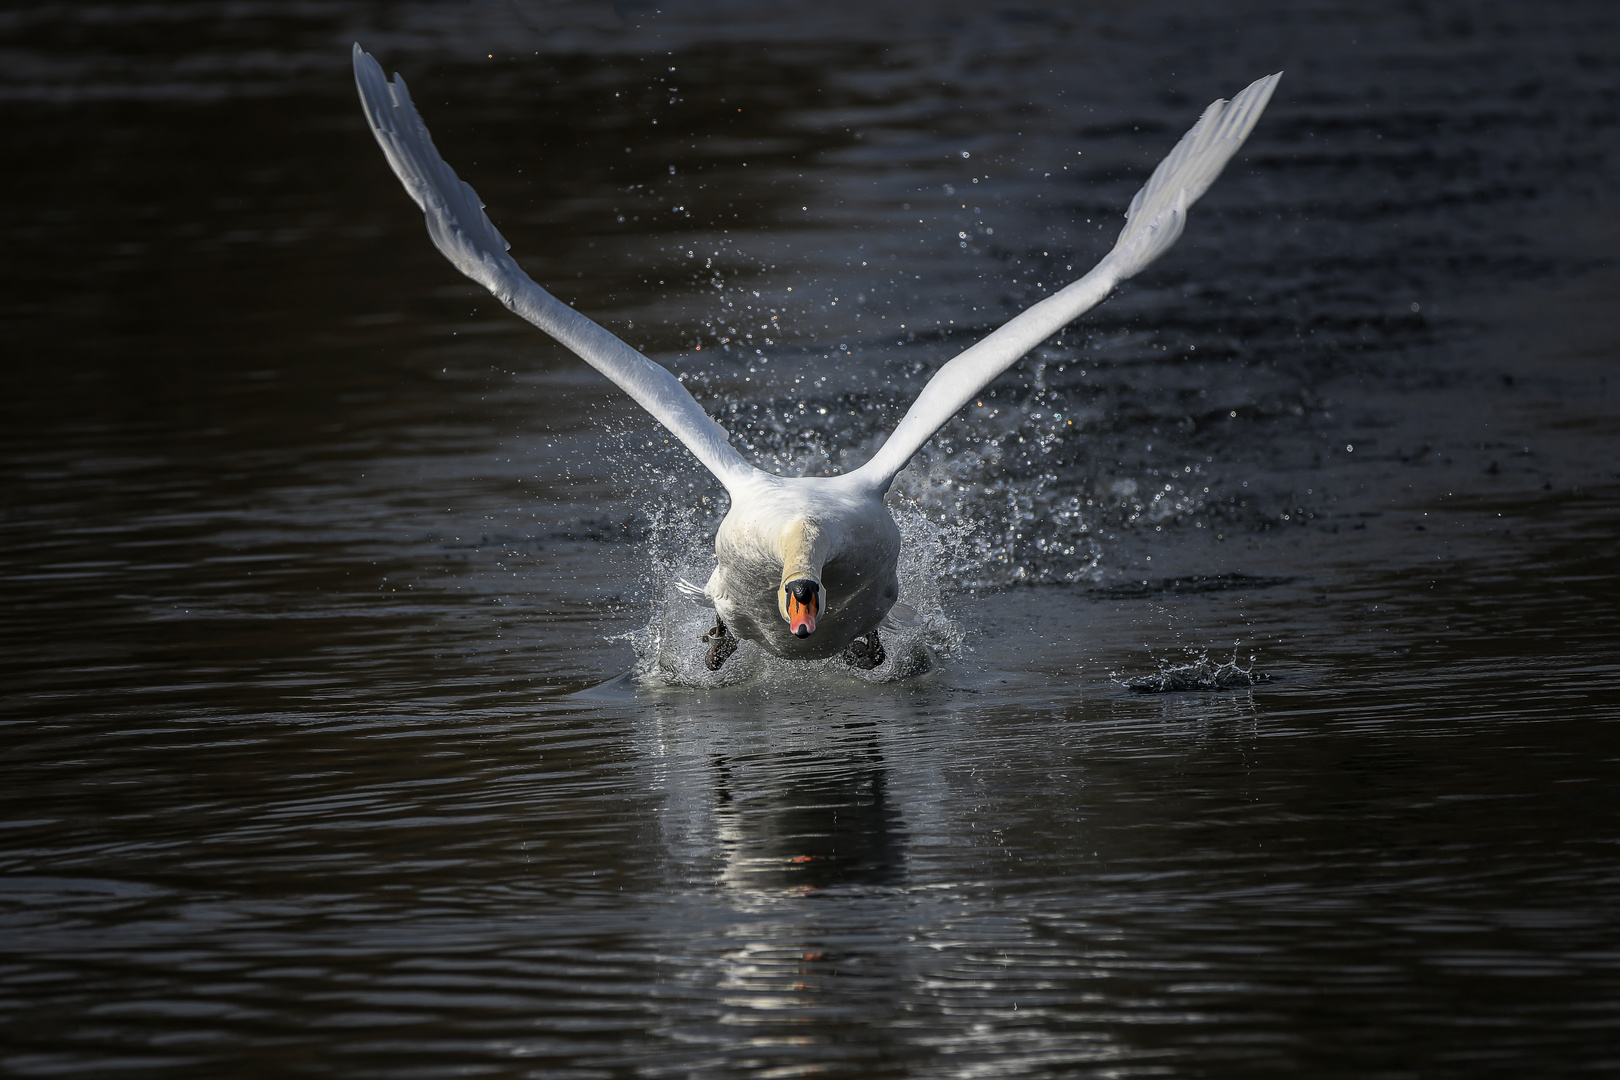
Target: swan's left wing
456, 221
1153, 222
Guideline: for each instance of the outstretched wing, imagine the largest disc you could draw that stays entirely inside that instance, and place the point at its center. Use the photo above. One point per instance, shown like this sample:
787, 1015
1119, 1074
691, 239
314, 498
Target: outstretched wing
1153, 222
456, 222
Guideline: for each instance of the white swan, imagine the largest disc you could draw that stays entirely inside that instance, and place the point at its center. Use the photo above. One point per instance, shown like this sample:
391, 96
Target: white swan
807, 565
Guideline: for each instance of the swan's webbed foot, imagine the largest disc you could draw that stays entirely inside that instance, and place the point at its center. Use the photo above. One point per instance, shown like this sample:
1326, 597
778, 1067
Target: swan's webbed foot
725, 643
867, 654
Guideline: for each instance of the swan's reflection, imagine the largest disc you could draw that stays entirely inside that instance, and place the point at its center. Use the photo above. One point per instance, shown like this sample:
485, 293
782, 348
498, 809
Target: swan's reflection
798, 829
765, 812
813, 824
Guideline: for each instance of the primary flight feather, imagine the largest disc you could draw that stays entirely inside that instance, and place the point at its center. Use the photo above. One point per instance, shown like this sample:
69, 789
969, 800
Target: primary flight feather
806, 565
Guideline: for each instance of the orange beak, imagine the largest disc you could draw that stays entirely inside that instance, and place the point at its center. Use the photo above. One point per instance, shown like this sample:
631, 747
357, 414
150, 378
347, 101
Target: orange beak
801, 616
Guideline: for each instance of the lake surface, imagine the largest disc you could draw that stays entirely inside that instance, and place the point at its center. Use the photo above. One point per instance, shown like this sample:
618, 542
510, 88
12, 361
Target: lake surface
350, 725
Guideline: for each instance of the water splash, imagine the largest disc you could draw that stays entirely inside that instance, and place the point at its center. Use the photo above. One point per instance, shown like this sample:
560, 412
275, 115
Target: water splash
999, 465
1031, 484
1200, 674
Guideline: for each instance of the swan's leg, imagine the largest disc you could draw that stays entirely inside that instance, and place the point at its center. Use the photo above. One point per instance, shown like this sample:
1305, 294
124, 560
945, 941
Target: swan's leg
867, 654
725, 643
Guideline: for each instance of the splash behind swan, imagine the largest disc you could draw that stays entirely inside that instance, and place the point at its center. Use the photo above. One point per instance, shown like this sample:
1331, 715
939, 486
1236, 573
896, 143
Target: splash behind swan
806, 565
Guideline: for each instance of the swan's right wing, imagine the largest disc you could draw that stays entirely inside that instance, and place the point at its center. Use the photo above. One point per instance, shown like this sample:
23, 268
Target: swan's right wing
1153, 222
461, 232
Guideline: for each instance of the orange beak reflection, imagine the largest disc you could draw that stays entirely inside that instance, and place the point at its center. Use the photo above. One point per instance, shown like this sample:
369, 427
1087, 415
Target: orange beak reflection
801, 615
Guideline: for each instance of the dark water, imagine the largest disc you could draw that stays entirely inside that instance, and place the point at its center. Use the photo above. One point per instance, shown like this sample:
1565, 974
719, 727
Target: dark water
315, 562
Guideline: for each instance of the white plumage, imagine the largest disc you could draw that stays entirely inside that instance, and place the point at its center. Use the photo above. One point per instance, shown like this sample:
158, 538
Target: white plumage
784, 532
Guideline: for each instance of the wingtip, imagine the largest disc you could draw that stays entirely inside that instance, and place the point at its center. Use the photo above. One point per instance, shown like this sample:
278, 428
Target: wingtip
1267, 84
364, 62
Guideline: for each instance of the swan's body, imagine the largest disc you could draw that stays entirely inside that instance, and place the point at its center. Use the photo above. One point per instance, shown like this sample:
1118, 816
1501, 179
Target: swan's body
806, 565
823, 528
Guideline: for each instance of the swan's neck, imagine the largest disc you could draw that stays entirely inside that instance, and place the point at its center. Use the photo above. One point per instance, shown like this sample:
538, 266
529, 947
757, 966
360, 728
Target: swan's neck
804, 544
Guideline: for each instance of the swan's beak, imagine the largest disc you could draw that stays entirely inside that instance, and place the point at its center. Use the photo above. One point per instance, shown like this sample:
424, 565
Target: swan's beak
801, 617
803, 604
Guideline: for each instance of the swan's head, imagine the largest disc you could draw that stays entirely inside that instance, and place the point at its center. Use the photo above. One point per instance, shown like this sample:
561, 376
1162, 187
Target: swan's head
800, 602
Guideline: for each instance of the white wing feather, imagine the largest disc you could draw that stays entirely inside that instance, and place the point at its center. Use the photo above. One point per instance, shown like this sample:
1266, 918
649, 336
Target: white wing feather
1155, 219
461, 231
693, 592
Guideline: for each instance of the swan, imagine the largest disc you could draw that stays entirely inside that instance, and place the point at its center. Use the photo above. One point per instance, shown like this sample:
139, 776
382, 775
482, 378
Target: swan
806, 566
